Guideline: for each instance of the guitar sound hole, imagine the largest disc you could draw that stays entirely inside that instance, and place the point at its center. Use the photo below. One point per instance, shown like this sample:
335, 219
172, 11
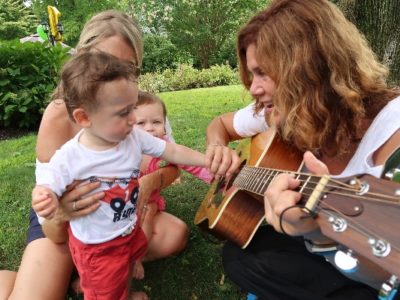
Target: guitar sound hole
219, 192
220, 185
217, 200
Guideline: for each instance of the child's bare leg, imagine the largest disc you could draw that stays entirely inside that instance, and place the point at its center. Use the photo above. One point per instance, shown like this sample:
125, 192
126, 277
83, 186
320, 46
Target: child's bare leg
138, 270
137, 295
147, 227
7, 279
177, 181
170, 235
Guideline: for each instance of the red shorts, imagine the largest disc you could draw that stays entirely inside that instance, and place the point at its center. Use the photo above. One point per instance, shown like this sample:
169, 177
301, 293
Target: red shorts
104, 269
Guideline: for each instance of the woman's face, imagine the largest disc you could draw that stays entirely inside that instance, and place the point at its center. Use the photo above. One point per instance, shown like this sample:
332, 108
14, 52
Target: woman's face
262, 87
118, 47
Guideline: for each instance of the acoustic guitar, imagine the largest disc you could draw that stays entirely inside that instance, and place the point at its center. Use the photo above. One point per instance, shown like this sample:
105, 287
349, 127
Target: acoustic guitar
360, 212
233, 212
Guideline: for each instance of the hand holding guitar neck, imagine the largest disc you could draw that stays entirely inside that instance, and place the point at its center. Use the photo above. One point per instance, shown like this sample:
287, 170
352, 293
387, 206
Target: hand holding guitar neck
283, 195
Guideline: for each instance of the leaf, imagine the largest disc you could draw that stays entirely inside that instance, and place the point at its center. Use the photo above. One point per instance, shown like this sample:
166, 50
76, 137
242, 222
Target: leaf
7, 96
8, 109
14, 72
35, 68
4, 82
23, 109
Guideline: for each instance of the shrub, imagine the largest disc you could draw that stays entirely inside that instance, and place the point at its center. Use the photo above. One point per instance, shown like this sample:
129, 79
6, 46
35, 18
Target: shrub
218, 75
187, 77
184, 77
153, 82
28, 75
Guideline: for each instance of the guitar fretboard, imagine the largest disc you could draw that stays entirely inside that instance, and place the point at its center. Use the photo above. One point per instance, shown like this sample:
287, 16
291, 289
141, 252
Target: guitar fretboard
257, 180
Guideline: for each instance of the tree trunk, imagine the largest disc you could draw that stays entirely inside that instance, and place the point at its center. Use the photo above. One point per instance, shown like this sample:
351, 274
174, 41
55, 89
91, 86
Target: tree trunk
379, 20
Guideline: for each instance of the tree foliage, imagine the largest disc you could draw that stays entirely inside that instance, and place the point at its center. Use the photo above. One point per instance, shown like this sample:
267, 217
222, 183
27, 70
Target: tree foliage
160, 54
203, 27
198, 27
16, 20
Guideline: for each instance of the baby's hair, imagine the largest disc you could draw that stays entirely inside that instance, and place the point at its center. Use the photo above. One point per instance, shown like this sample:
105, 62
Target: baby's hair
149, 98
82, 76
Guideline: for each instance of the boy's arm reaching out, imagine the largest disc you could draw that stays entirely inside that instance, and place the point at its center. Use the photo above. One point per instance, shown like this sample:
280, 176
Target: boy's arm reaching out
179, 154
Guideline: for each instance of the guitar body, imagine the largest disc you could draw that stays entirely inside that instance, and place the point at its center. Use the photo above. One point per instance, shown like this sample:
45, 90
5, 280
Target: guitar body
233, 214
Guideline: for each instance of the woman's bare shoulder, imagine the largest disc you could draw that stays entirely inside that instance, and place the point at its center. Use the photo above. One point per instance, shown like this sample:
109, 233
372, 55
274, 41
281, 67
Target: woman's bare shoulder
55, 129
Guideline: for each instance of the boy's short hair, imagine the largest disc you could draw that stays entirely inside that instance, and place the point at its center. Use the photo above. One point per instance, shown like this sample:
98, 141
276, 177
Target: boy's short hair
149, 98
82, 76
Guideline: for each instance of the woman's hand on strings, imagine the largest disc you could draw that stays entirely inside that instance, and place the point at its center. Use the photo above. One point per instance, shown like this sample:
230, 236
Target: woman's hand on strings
281, 201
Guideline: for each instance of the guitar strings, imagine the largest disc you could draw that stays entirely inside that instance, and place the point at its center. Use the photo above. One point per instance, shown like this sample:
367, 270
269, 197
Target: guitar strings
351, 223
336, 184
358, 227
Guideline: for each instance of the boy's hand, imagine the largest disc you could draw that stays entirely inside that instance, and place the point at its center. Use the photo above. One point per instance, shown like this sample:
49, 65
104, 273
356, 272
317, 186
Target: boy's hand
44, 202
221, 160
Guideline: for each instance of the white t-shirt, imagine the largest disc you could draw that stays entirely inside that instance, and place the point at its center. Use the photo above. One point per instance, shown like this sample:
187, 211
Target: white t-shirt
385, 124
247, 123
116, 168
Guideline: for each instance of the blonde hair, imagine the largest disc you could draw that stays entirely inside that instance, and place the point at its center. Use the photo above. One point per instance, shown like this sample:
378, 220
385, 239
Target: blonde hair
149, 98
112, 23
327, 78
84, 73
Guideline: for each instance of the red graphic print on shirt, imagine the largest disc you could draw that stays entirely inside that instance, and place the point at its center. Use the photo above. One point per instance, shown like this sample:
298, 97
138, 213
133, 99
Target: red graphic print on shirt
119, 199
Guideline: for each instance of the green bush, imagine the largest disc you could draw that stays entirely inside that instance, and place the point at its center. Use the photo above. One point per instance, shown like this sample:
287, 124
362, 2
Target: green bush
218, 75
186, 77
153, 82
160, 54
183, 78
28, 75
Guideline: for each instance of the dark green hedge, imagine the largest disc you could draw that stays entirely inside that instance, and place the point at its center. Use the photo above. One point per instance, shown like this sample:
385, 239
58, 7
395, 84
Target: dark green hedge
28, 76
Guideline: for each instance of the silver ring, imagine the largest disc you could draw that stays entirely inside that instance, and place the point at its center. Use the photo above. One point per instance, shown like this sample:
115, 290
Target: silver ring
74, 208
145, 206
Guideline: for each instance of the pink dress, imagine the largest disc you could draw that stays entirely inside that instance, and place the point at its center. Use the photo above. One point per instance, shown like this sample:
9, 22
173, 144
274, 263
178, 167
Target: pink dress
156, 163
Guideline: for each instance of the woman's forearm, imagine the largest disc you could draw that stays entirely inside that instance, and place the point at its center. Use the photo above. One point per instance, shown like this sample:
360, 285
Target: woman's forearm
220, 131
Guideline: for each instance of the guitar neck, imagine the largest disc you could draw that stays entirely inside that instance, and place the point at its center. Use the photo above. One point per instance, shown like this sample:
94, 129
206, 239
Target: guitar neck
256, 180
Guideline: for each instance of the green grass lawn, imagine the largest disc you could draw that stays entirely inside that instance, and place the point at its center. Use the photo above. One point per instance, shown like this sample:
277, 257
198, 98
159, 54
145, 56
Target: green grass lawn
194, 274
